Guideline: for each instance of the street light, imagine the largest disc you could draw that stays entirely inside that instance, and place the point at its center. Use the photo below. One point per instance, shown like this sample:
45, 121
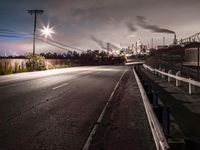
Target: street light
47, 31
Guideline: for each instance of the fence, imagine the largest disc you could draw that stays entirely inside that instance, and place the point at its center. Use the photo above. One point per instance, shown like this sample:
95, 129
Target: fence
177, 77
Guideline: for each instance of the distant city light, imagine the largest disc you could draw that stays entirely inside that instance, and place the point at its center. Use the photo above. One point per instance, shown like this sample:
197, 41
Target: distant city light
47, 31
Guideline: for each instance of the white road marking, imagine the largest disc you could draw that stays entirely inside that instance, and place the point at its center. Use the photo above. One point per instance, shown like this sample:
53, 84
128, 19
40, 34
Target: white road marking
59, 86
86, 76
95, 127
6, 86
98, 72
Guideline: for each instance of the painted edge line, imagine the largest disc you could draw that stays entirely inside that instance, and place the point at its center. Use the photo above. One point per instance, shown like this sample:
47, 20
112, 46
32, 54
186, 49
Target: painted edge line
59, 86
94, 129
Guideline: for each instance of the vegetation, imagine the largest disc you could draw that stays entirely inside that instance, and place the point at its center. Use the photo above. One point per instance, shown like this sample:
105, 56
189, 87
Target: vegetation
87, 58
37, 62
5, 70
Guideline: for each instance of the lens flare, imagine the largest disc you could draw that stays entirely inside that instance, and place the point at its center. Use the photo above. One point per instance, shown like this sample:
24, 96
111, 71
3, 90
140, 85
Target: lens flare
47, 31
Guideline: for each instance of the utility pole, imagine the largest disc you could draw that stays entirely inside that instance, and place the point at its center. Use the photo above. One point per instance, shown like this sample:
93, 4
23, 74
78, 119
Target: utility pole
198, 63
35, 12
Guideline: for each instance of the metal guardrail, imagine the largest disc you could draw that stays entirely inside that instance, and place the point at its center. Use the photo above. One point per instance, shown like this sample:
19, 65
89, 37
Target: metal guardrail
176, 77
157, 131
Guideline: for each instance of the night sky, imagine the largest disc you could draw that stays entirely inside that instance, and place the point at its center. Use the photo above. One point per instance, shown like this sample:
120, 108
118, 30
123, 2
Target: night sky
120, 22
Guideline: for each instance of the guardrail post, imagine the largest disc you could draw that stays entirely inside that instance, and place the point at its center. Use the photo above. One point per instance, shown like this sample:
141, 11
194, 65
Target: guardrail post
158, 112
146, 86
177, 81
150, 95
192, 88
163, 76
155, 71
155, 98
145, 67
166, 119
169, 79
160, 70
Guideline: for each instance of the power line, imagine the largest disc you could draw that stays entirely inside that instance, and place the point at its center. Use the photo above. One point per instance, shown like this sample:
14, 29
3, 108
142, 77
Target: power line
12, 31
61, 43
16, 33
5, 30
41, 38
50, 43
10, 36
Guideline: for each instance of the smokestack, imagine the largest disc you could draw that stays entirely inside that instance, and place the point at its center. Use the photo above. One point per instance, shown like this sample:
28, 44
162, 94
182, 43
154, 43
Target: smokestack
175, 40
136, 46
132, 47
152, 43
163, 41
108, 47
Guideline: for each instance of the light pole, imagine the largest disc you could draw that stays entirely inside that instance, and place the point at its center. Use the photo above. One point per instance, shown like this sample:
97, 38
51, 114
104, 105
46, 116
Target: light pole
35, 12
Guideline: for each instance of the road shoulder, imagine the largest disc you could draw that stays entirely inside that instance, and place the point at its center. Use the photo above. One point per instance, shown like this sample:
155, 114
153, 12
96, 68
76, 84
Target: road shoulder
125, 124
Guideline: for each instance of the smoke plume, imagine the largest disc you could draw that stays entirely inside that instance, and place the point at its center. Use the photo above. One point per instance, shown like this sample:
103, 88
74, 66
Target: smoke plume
131, 26
103, 44
114, 47
154, 28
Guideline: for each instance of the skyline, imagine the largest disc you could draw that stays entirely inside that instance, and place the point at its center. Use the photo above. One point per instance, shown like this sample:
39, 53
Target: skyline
75, 21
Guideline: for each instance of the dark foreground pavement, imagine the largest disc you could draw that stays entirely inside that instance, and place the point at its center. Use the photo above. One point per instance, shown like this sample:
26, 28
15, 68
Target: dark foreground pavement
56, 110
125, 125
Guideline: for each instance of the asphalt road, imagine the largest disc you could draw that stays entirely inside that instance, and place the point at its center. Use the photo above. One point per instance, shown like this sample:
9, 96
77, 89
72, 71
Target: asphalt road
53, 109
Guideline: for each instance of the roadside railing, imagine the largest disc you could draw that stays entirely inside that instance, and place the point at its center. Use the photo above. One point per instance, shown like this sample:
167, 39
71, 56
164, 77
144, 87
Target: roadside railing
157, 131
177, 77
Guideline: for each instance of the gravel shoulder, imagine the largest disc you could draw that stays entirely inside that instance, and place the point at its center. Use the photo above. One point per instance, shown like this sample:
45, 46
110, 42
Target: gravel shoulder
125, 125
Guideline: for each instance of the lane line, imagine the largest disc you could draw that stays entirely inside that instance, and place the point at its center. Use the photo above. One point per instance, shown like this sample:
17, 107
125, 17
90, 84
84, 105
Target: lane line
95, 127
86, 76
98, 72
59, 86
25, 81
6, 80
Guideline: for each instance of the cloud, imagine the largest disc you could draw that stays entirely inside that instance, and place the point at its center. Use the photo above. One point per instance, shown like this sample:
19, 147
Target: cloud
131, 36
108, 20
154, 28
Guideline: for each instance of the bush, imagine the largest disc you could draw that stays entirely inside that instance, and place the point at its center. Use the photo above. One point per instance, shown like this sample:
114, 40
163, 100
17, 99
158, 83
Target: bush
124, 58
5, 70
35, 62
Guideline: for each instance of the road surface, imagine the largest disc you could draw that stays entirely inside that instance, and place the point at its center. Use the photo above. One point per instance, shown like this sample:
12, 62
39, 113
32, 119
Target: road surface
54, 109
